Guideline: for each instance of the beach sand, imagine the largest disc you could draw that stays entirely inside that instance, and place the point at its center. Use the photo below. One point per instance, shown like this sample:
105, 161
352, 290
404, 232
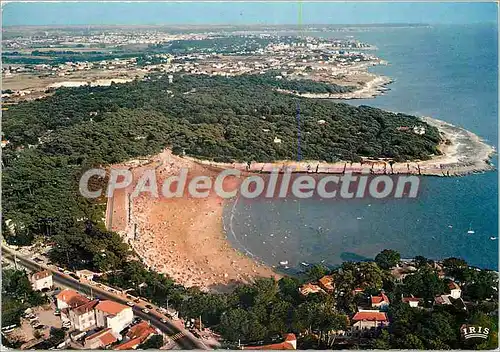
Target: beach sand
182, 237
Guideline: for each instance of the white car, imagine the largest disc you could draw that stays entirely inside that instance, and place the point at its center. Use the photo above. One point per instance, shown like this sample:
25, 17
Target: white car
145, 310
163, 320
130, 303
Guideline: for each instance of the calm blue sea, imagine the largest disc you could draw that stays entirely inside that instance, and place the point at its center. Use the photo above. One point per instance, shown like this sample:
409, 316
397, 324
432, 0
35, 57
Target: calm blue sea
447, 72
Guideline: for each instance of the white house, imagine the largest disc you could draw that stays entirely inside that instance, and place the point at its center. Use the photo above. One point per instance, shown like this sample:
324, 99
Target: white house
85, 274
41, 280
411, 301
367, 319
113, 315
70, 299
455, 291
83, 317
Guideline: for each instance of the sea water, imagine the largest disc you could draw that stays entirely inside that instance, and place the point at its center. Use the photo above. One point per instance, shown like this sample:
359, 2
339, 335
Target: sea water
447, 72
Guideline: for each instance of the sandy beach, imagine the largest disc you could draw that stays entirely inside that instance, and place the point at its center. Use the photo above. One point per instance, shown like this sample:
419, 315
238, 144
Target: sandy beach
182, 237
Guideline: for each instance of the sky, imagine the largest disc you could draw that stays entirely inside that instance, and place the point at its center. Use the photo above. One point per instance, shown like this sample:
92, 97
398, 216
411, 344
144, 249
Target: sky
113, 13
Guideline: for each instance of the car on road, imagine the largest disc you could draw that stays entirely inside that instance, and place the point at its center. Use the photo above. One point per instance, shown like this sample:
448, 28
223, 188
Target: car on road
164, 320
145, 310
130, 303
137, 300
149, 306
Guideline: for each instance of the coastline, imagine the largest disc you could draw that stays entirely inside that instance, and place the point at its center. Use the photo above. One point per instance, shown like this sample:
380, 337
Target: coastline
373, 87
465, 154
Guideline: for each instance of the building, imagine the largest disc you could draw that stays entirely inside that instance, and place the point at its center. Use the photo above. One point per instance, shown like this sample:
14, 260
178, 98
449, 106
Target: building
100, 339
381, 301
442, 300
289, 343
113, 315
368, 319
85, 274
412, 301
83, 317
310, 288
136, 335
455, 291
326, 283
41, 280
357, 291
70, 299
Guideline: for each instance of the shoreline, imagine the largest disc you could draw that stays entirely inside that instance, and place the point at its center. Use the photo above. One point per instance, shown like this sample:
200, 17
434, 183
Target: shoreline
466, 154
376, 86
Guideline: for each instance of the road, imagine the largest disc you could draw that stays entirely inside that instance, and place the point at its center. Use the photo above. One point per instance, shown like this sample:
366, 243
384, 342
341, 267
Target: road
182, 337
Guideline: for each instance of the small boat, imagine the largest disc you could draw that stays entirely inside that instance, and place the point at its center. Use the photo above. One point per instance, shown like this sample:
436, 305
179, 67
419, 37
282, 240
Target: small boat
284, 262
359, 218
450, 226
304, 264
493, 238
471, 231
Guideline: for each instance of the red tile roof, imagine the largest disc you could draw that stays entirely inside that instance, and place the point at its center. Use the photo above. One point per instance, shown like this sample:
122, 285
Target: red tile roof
310, 288
84, 308
140, 330
105, 336
110, 307
380, 299
290, 343
137, 335
129, 345
72, 298
326, 282
370, 316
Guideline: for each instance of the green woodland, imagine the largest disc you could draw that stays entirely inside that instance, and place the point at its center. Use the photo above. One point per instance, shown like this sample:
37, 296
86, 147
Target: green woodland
54, 139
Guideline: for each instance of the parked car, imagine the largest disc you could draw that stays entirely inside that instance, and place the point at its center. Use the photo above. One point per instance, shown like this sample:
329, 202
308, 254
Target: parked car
163, 320
145, 310
131, 304
149, 306
137, 300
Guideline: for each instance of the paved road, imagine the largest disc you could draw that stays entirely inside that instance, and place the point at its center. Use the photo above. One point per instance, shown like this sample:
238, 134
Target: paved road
182, 337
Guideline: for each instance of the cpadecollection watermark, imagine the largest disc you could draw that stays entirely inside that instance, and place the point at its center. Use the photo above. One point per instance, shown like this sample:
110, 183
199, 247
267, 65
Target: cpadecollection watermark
232, 183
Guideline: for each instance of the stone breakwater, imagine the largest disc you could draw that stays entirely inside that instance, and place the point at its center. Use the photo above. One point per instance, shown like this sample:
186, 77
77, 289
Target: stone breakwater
462, 152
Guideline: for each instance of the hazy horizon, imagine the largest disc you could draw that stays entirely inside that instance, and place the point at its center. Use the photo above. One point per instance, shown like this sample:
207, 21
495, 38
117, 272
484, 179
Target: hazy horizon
238, 13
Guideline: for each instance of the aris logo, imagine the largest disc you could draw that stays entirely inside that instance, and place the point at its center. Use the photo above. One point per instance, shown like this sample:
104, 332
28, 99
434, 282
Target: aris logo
471, 331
